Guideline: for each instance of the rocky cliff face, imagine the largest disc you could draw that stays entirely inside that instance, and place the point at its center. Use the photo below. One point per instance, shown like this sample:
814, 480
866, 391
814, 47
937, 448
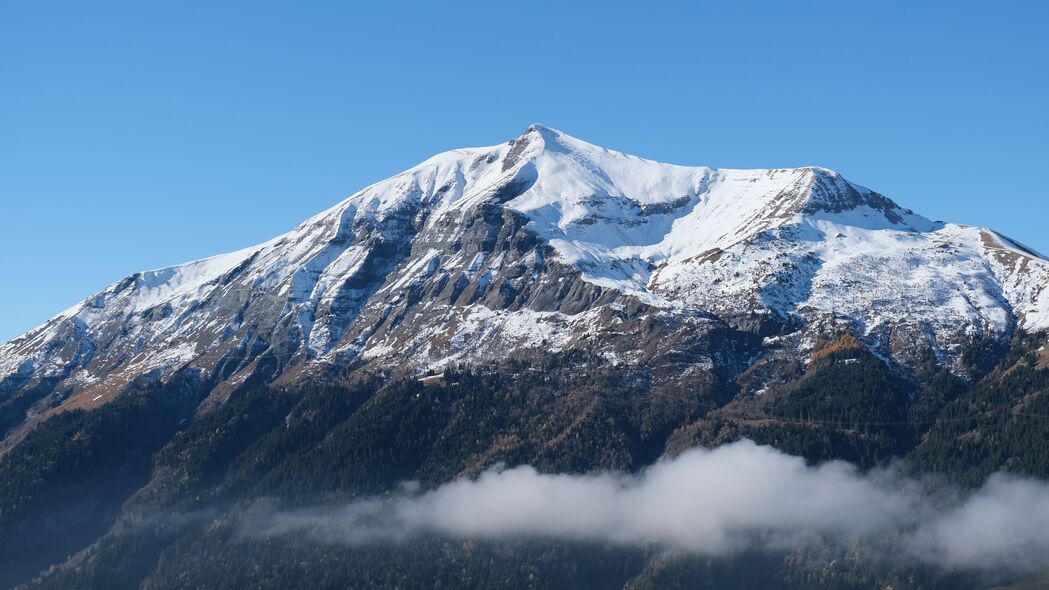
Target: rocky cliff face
545, 243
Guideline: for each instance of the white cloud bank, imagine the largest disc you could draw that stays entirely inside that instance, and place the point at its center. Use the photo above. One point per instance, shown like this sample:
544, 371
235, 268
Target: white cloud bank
711, 502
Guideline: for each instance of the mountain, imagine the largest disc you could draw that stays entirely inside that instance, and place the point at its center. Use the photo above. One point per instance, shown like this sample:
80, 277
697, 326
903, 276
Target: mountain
542, 302
542, 242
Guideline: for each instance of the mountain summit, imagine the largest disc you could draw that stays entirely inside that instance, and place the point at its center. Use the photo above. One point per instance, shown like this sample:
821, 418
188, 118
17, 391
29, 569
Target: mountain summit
544, 242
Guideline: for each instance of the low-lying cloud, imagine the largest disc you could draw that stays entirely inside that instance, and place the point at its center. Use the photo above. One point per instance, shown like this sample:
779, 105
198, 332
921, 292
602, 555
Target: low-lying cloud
737, 497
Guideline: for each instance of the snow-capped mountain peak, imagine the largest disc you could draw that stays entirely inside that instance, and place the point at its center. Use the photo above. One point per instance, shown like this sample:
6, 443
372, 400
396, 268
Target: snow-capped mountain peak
544, 240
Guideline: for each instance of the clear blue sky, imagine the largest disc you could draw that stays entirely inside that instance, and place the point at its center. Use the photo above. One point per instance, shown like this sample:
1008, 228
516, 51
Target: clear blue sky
135, 135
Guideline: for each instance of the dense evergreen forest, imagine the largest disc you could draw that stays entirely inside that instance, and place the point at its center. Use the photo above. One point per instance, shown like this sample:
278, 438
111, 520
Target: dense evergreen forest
147, 490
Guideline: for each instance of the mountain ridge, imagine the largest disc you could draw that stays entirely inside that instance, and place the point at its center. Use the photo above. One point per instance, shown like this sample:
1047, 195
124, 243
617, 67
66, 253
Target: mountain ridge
544, 238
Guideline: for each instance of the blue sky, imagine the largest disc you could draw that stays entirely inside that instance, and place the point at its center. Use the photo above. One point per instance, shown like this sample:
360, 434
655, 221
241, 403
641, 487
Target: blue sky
142, 134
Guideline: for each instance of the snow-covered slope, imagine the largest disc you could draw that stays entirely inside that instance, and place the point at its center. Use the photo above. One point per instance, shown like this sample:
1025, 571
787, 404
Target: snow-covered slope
543, 241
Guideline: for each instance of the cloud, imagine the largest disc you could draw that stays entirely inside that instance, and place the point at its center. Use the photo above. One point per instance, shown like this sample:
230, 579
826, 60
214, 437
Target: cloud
711, 502
1003, 526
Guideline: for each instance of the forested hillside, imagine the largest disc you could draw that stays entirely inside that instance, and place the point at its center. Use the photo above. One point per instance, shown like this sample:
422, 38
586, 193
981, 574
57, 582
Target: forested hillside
155, 494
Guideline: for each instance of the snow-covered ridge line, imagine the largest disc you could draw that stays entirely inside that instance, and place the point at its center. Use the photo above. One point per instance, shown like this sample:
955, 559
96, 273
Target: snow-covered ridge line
504, 227
581, 183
